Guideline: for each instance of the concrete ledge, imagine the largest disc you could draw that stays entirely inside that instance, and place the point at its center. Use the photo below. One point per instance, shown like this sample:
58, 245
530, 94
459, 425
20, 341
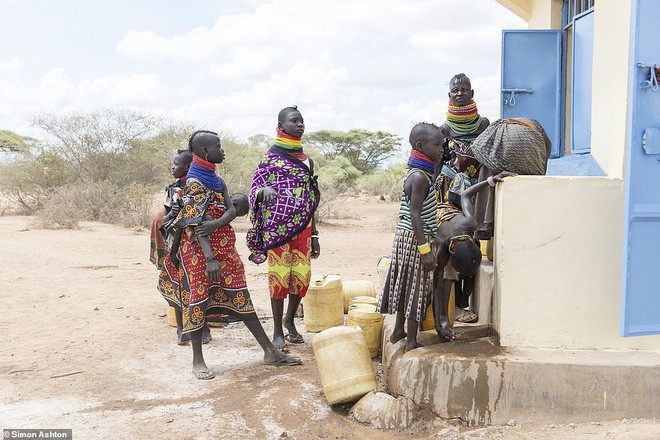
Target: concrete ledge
482, 383
483, 293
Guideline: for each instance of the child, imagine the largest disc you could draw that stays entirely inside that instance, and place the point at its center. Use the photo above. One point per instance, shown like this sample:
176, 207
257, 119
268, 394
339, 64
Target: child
462, 125
283, 199
211, 277
455, 244
174, 192
408, 286
241, 204
180, 164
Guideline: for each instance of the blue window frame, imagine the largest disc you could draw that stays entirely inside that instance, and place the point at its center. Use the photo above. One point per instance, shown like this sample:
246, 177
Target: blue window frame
578, 30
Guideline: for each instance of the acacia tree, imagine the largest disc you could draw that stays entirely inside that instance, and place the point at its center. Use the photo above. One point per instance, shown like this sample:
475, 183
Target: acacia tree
13, 142
366, 150
91, 143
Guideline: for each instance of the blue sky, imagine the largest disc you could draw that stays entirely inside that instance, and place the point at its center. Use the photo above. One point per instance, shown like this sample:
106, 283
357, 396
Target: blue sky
231, 65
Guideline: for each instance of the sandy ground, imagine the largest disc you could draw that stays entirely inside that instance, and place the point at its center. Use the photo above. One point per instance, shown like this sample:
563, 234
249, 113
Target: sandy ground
85, 345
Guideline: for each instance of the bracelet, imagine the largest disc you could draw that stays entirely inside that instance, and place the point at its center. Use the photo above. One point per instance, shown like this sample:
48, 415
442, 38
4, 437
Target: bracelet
315, 236
211, 259
424, 248
491, 181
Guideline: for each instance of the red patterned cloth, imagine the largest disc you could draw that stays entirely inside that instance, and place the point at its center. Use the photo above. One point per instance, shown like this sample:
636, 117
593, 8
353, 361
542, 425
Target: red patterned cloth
289, 266
189, 284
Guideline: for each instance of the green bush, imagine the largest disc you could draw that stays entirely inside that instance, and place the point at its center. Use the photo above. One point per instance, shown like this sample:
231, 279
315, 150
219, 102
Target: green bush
387, 184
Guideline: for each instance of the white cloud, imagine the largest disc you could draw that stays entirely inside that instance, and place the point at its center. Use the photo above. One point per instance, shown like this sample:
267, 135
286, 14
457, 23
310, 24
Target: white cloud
346, 63
11, 67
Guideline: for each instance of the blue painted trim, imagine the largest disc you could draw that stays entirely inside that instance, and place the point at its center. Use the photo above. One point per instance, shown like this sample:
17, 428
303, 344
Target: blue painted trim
575, 165
629, 157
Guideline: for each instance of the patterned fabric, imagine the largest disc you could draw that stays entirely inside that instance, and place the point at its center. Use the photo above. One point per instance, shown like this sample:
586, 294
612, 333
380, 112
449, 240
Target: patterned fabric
517, 145
275, 224
160, 237
451, 183
174, 194
408, 287
429, 206
446, 212
289, 266
188, 287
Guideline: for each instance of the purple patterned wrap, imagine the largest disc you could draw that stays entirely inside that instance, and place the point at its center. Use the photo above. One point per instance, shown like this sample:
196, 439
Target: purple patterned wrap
276, 223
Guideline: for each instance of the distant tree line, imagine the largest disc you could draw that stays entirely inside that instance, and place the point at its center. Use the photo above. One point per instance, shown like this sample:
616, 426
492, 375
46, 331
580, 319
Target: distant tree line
108, 166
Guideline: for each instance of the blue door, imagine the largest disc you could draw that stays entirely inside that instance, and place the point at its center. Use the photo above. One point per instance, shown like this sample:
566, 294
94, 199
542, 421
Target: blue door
641, 284
531, 80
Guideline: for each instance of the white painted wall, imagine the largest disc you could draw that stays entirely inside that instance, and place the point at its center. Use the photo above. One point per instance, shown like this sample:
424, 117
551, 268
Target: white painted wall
558, 251
612, 34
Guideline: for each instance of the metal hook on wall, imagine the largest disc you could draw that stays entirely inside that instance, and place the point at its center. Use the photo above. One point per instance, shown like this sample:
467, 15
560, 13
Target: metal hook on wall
652, 82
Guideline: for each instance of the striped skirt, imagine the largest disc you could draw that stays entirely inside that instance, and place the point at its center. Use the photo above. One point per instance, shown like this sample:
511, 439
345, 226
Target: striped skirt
408, 287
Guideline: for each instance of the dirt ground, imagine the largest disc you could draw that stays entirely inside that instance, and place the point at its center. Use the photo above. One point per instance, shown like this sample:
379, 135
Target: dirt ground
85, 345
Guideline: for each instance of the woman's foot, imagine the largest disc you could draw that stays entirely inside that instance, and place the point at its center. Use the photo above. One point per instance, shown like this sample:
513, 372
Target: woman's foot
280, 344
292, 336
202, 372
465, 316
411, 345
279, 359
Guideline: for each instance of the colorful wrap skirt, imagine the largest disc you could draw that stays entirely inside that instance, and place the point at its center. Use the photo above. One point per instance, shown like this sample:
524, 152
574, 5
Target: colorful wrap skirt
289, 266
189, 288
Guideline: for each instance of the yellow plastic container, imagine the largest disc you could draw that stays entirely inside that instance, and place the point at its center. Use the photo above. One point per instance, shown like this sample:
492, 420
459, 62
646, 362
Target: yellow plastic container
383, 268
483, 244
324, 304
429, 321
369, 300
171, 317
357, 288
344, 364
371, 323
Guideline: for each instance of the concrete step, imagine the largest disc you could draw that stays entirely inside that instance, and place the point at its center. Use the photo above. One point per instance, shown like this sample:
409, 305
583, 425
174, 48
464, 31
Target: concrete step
478, 381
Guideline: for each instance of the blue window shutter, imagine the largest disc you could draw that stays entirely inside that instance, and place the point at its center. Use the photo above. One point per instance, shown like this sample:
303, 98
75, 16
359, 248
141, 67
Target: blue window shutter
531, 80
641, 285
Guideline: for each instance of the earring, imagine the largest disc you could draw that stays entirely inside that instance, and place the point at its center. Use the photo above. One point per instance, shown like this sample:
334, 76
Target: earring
206, 154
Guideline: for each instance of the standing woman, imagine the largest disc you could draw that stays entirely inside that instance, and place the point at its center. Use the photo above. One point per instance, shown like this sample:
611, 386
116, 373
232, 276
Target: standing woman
283, 199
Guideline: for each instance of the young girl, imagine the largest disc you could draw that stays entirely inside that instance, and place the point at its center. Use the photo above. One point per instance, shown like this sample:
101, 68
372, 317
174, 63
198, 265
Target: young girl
407, 290
211, 277
180, 165
457, 252
283, 199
